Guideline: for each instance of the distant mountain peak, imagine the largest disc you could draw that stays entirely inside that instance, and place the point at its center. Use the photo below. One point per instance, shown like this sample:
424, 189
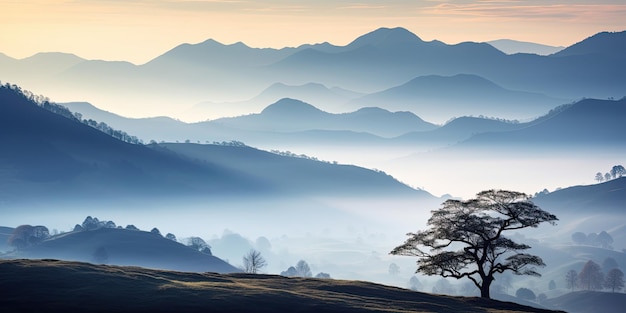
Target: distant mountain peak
607, 43
288, 106
386, 36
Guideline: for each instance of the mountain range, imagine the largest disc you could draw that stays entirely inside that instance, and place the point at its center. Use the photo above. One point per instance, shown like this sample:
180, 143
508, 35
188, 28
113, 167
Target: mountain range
53, 157
189, 74
589, 122
440, 98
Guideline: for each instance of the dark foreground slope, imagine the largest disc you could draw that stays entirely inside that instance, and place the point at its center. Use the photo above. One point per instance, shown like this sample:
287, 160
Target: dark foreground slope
49, 285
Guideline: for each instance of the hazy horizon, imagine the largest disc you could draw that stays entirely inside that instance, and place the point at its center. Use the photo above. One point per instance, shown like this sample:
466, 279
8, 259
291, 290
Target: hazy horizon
138, 31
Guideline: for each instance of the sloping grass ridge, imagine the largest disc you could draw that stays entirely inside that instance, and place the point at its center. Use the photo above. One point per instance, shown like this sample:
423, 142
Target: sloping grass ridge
52, 285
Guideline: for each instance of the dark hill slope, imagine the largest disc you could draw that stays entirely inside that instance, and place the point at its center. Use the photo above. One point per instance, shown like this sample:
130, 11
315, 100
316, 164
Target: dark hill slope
607, 197
55, 156
601, 44
590, 302
588, 123
459, 129
298, 175
30, 286
47, 154
442, 97
150, 128
125, 247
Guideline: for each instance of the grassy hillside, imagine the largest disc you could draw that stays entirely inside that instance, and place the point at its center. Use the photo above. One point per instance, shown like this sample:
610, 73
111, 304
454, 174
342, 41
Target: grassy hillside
590, 301
124, 247
31, 286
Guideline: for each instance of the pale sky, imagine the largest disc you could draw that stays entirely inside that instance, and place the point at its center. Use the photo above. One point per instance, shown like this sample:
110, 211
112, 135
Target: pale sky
139, 30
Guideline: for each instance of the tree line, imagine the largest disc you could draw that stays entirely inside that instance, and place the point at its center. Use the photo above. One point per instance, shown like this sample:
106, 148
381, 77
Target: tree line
592, 277
616, 171
45, 103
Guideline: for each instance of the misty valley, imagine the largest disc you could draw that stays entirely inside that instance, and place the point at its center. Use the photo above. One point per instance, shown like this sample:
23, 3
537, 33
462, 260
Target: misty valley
296, 174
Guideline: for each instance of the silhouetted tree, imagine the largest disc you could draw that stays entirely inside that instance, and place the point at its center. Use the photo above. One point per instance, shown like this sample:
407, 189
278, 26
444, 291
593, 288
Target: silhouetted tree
199, 244
476, 226
614, 280
591, 239
415, 284
27, 235
322, 275
599, 177
591, 277
101, 256
131, 227
617, 171
571, 279
156, 231
607, 176
579, 238
394, 269
303, 269
90, 223
525, 294
253, 262
290, 272
604, 240
170, 236
443, 287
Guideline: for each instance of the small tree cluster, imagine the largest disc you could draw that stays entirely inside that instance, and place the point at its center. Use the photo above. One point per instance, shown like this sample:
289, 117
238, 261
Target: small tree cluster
591, 277
301, 269
93, 223
28, 235
232, 143
46, 104
603, 239
199, 244
616, 171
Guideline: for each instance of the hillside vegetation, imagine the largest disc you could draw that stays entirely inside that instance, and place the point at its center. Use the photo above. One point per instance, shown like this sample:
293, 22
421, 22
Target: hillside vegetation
56, 286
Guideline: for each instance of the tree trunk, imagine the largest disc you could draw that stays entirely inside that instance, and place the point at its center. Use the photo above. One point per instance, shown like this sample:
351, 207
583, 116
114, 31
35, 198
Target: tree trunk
484, 288
484, 292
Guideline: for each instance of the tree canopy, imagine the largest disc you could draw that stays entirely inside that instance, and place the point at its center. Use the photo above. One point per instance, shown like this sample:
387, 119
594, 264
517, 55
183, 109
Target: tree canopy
475, 228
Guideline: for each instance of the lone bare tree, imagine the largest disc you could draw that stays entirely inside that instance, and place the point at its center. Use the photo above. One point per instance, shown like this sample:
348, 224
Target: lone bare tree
475, 227
253, 262
571, 279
